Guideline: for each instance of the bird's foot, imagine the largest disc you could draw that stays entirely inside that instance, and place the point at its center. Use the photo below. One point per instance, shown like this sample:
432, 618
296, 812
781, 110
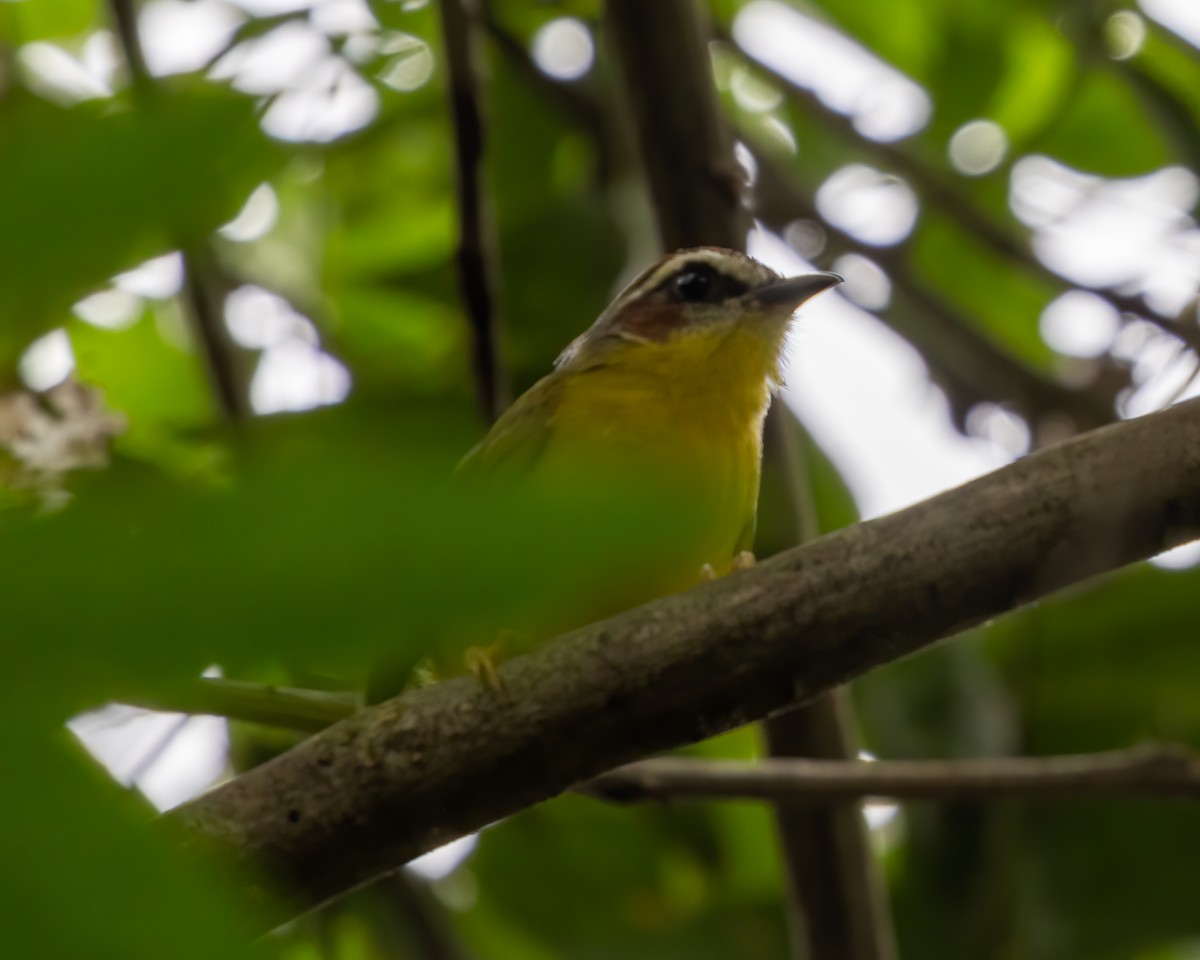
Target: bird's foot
743, 560
483, 663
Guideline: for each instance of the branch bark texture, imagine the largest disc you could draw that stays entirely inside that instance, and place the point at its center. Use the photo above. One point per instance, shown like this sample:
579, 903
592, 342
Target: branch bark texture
399, 779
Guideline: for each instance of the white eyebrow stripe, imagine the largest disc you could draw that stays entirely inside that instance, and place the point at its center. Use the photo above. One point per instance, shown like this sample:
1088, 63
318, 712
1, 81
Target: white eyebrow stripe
748, 271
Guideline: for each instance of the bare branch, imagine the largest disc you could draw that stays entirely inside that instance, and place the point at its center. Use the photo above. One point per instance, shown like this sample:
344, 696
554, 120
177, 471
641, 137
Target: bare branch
394, 781
124, 17
476, 240
831, 869
205, 289
1151, 769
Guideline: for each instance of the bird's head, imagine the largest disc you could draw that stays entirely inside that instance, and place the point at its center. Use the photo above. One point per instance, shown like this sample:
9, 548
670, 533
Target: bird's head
698, 301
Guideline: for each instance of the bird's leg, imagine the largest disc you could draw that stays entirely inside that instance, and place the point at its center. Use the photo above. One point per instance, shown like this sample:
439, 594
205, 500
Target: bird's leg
743, 560
482, 662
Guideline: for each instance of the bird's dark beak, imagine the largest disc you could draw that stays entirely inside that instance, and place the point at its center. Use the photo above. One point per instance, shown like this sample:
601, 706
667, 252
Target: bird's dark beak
793, 291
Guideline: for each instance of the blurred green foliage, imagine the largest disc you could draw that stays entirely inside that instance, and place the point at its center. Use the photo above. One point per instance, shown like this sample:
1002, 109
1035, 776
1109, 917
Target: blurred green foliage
296, 548
90, 190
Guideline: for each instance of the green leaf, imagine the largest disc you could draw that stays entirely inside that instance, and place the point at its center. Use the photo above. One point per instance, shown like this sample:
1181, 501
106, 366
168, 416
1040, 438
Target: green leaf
1039, 69
95, 188
1045, 681
331, 540
907, 34
24, 21
646, 882
86, 873
157, 385
1003, 302
1105, 130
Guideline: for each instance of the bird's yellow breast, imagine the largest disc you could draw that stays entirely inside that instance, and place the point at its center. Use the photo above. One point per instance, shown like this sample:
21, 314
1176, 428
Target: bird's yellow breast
690, 408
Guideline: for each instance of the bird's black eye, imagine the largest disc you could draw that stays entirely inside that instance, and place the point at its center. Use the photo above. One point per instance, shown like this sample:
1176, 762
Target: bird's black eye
696, 283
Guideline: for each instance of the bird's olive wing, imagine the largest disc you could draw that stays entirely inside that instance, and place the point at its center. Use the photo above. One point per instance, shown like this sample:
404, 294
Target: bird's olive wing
517, 440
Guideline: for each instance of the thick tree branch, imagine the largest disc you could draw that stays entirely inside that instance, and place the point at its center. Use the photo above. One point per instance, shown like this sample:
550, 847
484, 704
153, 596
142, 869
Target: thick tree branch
399, 779
1150, 769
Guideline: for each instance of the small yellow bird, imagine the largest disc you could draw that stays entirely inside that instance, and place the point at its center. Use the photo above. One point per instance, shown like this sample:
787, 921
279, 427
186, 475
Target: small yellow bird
671, 384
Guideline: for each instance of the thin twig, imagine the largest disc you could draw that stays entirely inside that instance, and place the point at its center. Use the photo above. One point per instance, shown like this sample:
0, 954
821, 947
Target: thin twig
1164, 34
570, 100
476, 237
204, 287
929, 183
124, 16
149, 760
291, 709
1155, 769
